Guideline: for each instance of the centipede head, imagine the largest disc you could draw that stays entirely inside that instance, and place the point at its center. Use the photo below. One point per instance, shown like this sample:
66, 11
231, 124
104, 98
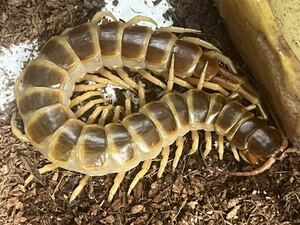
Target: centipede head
264, 146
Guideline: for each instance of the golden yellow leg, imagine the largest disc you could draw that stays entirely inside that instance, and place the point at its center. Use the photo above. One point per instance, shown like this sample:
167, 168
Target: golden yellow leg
83, 97
251, 107
163, 163
107, 74
140, 18
221, 146
222, 58
99, 16
201, 42
87, 106
117, 112
148, 76
202, 77
179, 30
145, 167
16, 131
208, 145
235, 152
44, 169
141, 92
127, 106
195, 139
170, 82
94, 115
87, 87
117, 182
183, 83
105, 112
178, 152
82, 183
215, 87
233, 95
122, 73
98, 80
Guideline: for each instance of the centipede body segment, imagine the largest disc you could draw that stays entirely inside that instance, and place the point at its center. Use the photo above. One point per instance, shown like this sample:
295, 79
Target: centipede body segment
94, 147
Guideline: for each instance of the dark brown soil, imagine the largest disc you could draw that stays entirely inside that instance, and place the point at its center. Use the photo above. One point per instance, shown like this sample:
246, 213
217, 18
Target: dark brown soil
195, 194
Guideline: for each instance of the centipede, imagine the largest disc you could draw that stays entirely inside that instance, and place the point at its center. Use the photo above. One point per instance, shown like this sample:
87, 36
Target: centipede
69, 120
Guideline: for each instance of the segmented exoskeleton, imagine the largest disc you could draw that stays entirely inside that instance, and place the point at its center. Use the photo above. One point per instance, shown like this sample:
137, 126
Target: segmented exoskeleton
44, 89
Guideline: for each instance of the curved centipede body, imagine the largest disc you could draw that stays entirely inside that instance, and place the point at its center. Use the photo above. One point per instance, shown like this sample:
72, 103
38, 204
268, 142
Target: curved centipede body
44, 89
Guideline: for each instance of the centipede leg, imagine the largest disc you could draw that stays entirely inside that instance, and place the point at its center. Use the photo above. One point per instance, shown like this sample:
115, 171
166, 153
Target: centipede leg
99, 80
148, 76
120, 176
141, 18
178, 152
117, 182
125, 76
222, 58
201, 42
82, 183
170, 82
208, 145
195, 145
117, 112
107, 74
104, 115
94, 115
100, 15
84, 97
87, 106
221, 146
163, 163
145, 167
141, 92
16, 131
180, 30
87, 87
235, 152
47, 168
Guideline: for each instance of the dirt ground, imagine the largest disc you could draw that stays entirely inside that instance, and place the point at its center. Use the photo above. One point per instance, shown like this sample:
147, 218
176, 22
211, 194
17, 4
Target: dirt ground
195, 194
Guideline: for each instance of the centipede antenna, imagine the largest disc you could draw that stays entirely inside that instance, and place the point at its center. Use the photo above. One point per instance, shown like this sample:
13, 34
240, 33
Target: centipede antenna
266, 166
